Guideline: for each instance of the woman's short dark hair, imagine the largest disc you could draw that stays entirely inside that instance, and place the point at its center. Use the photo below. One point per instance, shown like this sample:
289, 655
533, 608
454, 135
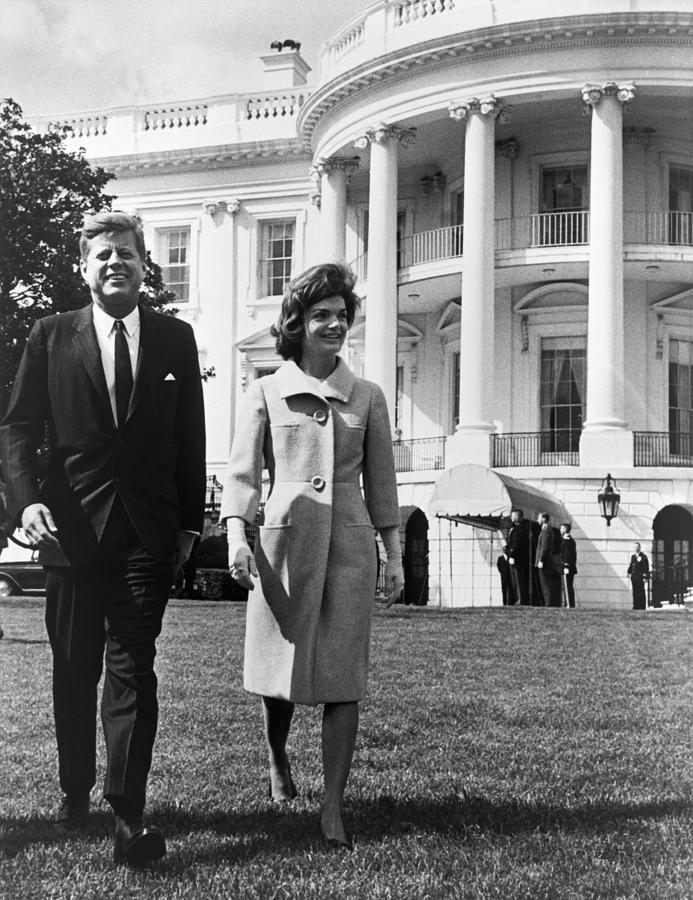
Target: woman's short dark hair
315, 284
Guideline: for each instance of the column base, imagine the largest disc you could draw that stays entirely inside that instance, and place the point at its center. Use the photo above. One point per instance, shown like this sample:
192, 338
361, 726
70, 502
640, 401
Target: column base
468, 447
606, 448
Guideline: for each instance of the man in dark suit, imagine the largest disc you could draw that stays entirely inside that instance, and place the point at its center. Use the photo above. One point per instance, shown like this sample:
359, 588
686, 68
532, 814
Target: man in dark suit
117, 389
639, 571
568, 562
518, 552
549, 577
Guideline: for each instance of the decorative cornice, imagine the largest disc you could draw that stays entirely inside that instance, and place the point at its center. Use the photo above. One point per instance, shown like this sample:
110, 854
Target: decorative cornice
202, 159
593, 94
563, 33
383, 134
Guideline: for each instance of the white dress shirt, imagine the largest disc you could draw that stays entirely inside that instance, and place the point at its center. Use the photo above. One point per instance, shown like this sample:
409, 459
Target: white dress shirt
105, 335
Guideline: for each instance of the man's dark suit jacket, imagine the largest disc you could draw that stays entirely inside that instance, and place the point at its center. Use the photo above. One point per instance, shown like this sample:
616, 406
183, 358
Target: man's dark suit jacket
518, 543
569, 555
545, 549
638, 568
155, 462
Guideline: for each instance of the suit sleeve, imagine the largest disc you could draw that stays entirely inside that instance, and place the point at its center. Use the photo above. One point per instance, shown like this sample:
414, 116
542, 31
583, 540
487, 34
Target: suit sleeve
379, 478
243, 482
190, 462
23, 427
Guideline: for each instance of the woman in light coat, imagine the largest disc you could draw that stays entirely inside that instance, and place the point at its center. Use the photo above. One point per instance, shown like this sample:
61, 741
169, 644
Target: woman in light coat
320, 431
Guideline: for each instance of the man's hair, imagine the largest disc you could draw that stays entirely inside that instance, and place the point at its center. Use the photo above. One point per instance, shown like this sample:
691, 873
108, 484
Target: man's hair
112, 222
637, 544
568, 527
516, 509
315, 284
545, 518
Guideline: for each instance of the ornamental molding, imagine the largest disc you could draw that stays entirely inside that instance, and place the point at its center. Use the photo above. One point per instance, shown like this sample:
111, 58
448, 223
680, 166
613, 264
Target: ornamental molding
488, 107
212, 207
330, 164
205, 159
566, 33
384, 134
594, 94
510, 148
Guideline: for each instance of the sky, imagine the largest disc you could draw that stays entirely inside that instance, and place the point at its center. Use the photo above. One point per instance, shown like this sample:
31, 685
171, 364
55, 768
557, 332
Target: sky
60, 56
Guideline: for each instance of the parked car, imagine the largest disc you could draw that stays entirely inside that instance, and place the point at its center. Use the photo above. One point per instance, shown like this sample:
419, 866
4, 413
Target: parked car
21, 574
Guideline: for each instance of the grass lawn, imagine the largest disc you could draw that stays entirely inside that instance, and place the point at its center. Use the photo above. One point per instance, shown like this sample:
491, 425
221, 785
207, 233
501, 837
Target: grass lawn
505, 754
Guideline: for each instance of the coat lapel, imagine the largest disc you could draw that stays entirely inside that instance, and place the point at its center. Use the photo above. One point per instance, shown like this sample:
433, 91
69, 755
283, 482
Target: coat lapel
87, 348
293, 380
148, 356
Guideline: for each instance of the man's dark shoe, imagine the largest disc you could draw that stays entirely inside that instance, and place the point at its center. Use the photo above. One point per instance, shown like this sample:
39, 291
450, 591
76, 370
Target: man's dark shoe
73, 814
136, 845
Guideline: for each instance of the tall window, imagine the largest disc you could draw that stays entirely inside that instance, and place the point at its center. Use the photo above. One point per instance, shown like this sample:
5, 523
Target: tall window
681, 397
562, 393
276, 257
455, 389
681, 206
174, 253
563, 200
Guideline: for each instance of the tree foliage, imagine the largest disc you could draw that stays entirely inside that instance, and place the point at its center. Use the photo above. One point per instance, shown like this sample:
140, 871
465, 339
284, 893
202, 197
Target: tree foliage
45, 191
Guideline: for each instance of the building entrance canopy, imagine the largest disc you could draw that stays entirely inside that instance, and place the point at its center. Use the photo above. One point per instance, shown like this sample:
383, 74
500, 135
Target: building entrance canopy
475, 495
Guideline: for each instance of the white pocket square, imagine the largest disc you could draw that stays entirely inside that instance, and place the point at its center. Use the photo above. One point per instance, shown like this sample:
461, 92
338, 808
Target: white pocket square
170, 377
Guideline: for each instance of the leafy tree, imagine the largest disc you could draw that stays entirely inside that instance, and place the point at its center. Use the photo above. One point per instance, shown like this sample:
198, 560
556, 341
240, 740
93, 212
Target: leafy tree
45, 191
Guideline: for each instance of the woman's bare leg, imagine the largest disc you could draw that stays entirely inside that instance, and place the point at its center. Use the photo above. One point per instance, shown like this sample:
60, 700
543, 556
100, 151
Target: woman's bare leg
339, 726
277, 717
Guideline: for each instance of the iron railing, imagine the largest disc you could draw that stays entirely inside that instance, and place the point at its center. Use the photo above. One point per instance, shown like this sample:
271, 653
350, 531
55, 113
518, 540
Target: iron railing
429, 246
535, 448
663, 448
419, 454
667, 227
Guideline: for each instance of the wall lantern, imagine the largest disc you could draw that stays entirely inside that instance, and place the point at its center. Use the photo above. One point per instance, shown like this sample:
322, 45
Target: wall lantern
608, 499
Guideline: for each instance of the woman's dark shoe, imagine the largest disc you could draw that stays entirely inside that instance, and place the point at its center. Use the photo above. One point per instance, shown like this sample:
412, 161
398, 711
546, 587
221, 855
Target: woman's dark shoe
284, 789
333, 843
136, 845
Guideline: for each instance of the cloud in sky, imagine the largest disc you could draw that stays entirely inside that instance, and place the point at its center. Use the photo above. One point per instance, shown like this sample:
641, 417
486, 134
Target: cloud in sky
73, 55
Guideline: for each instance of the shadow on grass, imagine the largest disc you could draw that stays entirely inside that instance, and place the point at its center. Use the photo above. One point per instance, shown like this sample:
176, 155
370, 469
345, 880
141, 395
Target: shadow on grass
11, 640
221, 836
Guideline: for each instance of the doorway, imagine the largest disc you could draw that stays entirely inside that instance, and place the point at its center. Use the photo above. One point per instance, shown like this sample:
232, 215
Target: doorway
416, 559
672, 559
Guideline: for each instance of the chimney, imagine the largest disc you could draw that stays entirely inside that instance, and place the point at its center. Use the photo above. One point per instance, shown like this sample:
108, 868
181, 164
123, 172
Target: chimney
284, 69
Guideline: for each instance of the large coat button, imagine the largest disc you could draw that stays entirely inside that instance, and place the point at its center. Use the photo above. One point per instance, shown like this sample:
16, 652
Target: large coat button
318, 482
320, 416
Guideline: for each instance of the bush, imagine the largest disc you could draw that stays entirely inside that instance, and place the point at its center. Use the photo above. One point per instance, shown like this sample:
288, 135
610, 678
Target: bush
217, 584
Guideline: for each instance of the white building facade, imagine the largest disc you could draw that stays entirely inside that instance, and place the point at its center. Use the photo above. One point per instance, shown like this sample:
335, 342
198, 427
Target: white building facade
514, 188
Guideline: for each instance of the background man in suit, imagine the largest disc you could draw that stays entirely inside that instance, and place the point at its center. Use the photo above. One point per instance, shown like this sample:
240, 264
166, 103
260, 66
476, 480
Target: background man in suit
569, 563
518, 551
639, 571
549, 577
117, 389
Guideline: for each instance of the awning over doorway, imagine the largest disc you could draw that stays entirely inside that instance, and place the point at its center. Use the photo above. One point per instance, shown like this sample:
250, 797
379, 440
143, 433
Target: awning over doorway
481, 497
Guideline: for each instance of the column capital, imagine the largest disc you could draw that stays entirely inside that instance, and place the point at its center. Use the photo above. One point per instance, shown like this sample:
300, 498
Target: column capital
488, 107
593, 94
383, 134
510, 149
330, 164
212, 207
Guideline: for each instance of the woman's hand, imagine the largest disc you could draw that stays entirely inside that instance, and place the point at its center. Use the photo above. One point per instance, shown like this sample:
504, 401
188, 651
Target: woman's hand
242, 565
394, 581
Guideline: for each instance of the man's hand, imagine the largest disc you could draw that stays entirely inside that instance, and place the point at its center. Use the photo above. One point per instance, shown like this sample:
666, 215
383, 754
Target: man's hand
394, 581
242, 565
39, 526
186, 541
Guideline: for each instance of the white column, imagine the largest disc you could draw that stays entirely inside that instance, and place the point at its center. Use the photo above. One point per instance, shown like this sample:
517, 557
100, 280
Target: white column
606, 439
334, 174
380, 351
472, 441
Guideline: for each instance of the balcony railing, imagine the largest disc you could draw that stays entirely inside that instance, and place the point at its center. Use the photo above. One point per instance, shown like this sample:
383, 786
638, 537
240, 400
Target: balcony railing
419, 454
551, 229
429, 246
663, 448
669, 227
535, 448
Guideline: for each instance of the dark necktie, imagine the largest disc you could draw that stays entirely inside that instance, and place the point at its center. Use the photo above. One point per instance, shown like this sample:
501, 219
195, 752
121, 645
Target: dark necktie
123, 372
